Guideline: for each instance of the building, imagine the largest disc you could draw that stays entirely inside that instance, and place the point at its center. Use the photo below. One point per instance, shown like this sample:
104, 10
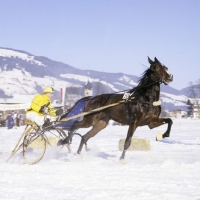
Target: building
16, 103
88, 89
194, 107
178, 114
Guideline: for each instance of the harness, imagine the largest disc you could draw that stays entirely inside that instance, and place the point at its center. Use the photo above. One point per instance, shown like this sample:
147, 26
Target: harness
127, 97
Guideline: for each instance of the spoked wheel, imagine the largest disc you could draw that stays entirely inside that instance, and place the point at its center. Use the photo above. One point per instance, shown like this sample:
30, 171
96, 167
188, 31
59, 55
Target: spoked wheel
34, 147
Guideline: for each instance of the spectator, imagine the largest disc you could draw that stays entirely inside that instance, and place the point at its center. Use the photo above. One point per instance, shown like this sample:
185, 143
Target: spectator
9, 121
2, 122
14, 115
17, 118
21, 122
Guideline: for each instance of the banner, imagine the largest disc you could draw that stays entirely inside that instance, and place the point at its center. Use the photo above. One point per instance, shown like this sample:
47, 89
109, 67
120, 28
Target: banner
23, 106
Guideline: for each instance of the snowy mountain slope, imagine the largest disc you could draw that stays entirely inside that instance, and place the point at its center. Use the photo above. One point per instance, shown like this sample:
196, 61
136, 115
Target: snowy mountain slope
24, 73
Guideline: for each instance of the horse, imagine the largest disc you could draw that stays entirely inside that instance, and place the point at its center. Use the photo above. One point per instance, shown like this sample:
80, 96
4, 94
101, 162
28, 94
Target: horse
141, 106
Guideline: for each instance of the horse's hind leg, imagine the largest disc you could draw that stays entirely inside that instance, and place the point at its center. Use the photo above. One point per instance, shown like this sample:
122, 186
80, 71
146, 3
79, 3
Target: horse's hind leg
101, 124
71, 132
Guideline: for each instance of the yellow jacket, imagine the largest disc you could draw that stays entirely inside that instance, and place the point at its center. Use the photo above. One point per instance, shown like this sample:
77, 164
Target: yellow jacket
38, 101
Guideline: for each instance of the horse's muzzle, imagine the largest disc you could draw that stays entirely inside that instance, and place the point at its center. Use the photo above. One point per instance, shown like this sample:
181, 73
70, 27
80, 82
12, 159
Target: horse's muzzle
168, 80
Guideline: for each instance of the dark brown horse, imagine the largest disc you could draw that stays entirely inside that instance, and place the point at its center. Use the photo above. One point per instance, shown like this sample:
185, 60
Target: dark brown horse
141, 107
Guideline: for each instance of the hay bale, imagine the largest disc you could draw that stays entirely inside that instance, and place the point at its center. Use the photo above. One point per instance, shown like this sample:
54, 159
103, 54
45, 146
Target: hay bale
38, 144
137, 144
53, 141
159, 136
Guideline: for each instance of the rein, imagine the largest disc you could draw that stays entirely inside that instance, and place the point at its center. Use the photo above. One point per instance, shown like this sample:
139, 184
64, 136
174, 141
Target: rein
90, 112
153, 83
125, 100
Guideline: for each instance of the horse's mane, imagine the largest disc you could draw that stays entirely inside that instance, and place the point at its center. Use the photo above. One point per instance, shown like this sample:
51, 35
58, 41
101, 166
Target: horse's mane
142, 81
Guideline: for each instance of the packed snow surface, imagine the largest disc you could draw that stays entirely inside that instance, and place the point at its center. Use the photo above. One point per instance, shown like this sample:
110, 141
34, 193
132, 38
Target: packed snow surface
169, 171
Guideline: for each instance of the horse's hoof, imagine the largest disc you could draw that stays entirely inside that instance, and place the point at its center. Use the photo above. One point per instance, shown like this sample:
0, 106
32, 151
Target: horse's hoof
159, 136
122, 161
61, 142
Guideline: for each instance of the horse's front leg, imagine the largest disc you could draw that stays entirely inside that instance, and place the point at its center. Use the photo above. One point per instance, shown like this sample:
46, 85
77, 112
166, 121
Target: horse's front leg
127, 143
159, 122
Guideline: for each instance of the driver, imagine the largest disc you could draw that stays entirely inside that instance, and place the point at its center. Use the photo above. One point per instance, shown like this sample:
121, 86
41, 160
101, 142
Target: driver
41, 109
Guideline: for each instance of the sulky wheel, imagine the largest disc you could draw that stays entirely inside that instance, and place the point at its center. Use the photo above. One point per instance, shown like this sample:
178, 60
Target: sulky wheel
34, 147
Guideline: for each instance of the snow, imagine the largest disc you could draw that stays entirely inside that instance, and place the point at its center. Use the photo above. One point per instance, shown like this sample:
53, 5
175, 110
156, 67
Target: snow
23, 56
128, 80
26, 84
86, 79
182, 98
170, 170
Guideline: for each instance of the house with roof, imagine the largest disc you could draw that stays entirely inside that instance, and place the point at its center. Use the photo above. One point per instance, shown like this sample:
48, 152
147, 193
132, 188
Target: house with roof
88, 89
16, 103
194, 107
178, 113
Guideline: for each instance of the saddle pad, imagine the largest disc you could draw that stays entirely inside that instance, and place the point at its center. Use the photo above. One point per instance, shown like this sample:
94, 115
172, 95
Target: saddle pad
78, 108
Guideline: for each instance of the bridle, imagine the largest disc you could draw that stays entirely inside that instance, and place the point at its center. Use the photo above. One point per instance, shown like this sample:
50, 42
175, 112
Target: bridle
161, 78
160, 81
161, 75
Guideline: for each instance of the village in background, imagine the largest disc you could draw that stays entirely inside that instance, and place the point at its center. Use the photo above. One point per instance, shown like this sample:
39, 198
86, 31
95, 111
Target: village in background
15, 108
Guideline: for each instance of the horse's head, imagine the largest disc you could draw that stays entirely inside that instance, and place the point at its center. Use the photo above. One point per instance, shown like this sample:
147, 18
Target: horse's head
160, 72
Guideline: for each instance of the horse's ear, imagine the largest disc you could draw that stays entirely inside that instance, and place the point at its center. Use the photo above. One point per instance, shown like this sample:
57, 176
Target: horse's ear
156, 60
150, 61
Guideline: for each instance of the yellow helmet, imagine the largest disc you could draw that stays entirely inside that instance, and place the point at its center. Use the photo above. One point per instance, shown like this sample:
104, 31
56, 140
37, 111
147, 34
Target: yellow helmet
48, 90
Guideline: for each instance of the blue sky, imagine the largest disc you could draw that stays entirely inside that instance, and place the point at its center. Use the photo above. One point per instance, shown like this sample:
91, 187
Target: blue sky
108, 35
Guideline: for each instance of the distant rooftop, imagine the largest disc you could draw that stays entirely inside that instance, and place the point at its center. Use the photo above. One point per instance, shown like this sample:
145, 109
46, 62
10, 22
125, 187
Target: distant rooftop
88, 86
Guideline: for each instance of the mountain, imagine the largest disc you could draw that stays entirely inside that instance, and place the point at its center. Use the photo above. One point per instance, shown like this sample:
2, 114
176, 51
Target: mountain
27, 74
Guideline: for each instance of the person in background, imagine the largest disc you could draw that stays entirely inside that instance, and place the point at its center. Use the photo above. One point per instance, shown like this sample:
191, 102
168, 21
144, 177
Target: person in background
2, 122
41, 108
9, 121
17, 118
21, 120
14, 116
